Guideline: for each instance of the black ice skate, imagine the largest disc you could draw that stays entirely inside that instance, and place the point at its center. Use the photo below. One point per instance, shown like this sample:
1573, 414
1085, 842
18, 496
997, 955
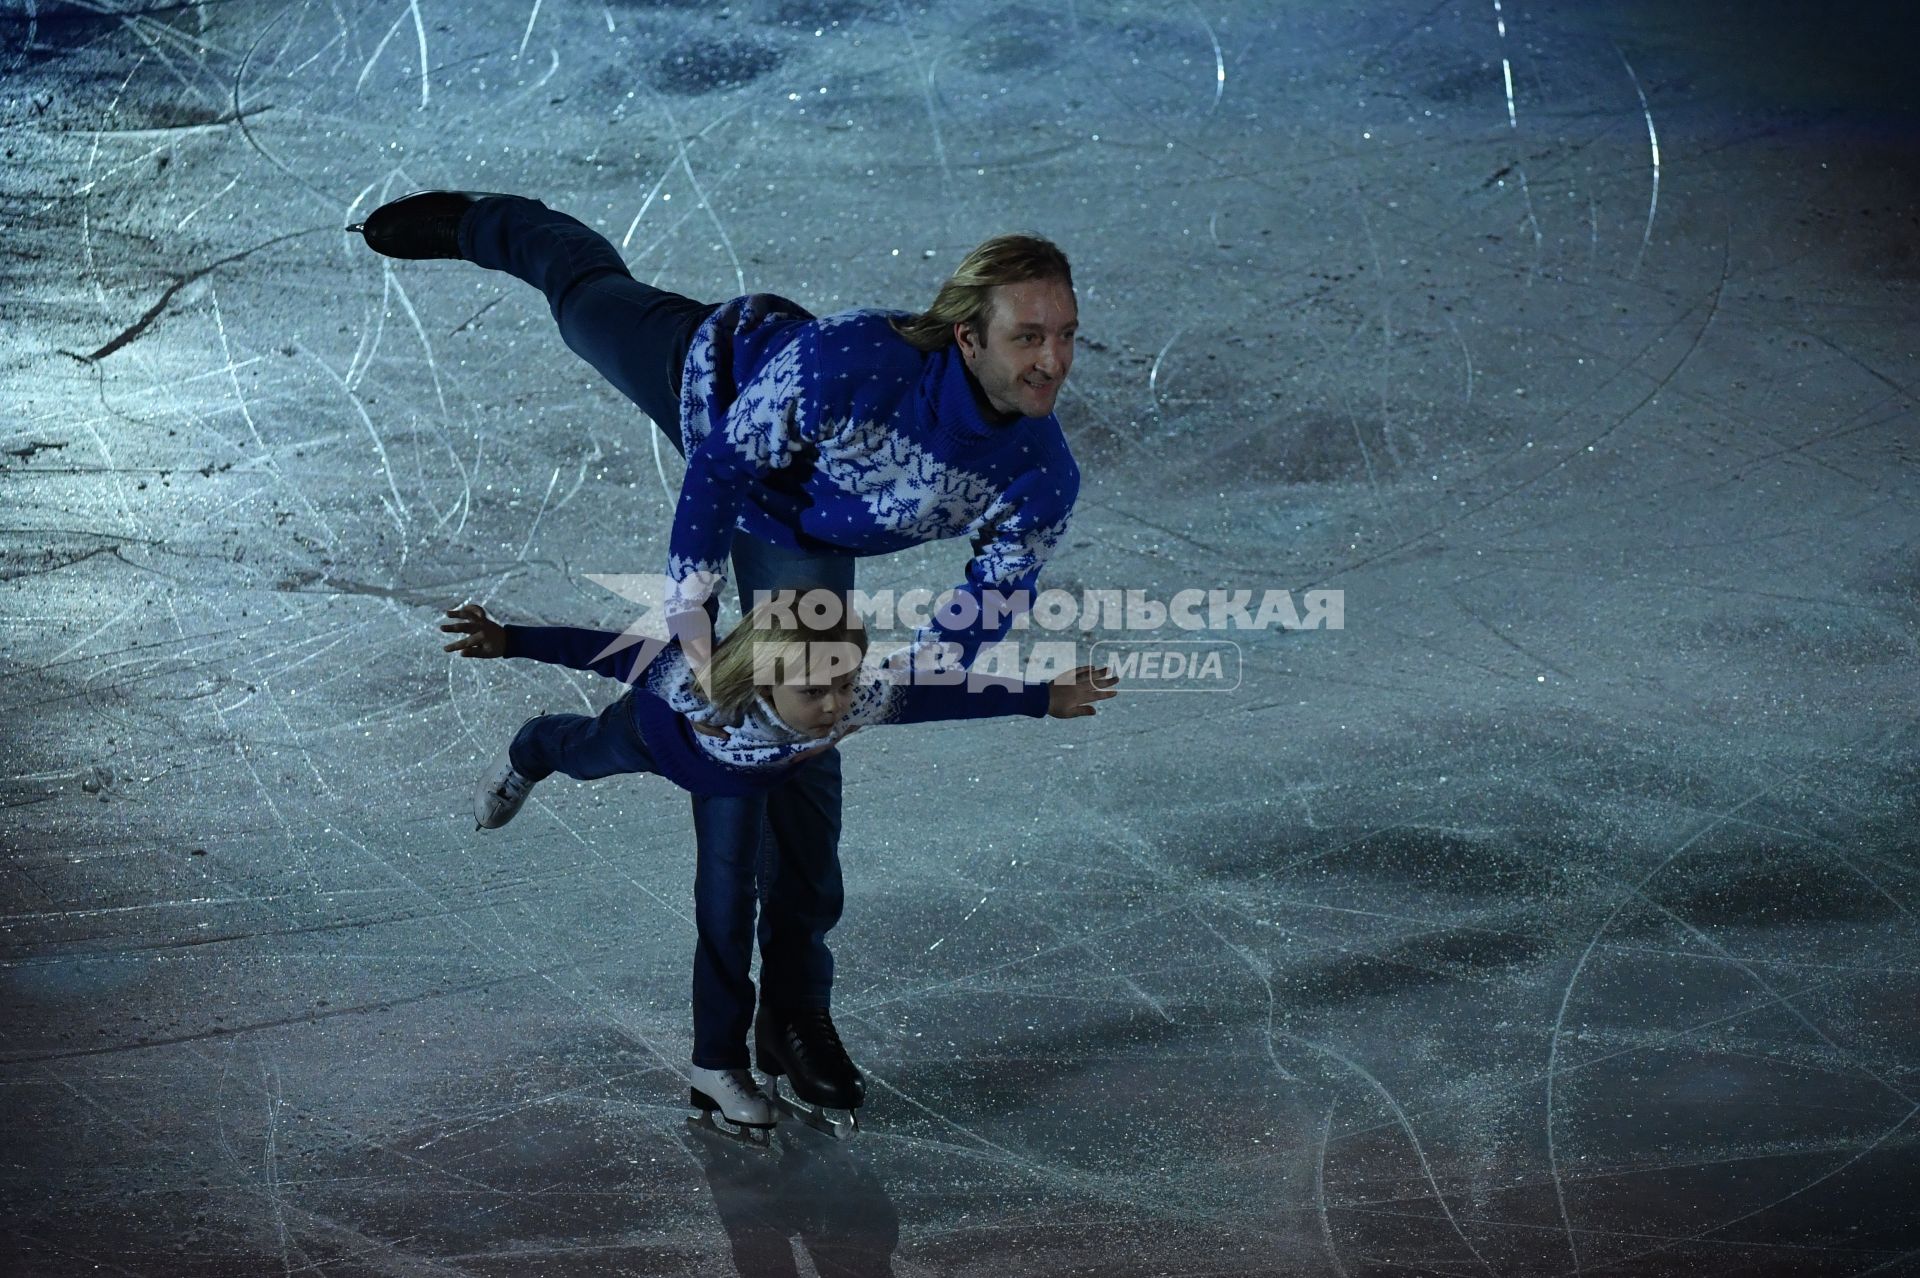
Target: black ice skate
801, 1043
420, 226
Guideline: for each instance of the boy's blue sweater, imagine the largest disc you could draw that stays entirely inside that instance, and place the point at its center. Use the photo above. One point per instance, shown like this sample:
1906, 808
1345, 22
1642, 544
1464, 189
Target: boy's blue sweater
837, 434
756, 754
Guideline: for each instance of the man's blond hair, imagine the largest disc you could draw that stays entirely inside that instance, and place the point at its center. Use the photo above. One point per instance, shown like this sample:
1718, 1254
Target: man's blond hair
968, 292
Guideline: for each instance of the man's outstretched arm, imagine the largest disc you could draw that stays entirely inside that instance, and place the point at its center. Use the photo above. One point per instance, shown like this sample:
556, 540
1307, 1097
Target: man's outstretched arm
1004, 574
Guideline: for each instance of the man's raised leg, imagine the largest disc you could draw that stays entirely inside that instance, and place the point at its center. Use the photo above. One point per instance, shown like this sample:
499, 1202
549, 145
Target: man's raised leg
635, 335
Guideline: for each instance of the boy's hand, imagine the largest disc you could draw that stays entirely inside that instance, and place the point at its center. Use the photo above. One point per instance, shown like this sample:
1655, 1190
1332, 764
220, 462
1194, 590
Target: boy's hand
699, 655
1072, 695
694, 630
485, 636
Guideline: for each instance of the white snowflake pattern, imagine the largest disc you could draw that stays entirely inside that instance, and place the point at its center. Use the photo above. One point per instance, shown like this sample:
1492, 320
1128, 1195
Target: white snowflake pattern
700, 392
691, 582
1016, 552
907, 489
696, 383
845, 319
763, 424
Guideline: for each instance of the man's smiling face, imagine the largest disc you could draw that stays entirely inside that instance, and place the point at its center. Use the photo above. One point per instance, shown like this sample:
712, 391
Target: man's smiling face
1023, 357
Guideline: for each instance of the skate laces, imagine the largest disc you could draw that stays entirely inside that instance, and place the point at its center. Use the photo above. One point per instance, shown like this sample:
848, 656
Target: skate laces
512, 787
818, 1031
740, 1083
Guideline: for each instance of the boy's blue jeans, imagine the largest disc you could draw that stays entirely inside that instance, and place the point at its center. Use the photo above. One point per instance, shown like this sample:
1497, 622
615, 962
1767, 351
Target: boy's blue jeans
781, 849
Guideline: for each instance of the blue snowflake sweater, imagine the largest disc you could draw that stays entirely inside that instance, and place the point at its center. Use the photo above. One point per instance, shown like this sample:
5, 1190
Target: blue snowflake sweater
759, 746
835, 433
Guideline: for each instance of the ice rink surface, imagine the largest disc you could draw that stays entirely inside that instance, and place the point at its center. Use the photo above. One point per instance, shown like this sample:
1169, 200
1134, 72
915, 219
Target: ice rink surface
1555, 916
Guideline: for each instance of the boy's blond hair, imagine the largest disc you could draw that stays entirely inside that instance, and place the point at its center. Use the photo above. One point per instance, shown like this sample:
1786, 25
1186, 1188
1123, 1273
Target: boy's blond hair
968, 292
787, 637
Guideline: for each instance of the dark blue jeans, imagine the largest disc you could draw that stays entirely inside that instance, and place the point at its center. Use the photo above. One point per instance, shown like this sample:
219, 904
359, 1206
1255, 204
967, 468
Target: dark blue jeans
781, 849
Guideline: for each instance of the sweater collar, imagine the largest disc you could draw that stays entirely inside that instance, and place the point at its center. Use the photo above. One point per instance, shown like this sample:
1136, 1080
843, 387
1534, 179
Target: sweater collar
770, 719
959, 407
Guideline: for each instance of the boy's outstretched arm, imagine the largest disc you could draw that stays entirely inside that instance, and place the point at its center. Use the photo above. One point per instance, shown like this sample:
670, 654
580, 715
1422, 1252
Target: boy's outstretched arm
610, 653
898, 700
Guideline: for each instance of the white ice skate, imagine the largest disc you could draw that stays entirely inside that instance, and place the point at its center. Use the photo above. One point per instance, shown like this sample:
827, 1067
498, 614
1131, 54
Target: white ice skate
501, 793
731, 1104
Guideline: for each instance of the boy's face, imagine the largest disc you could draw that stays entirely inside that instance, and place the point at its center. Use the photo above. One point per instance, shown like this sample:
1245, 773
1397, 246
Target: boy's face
1024, 354
813, 708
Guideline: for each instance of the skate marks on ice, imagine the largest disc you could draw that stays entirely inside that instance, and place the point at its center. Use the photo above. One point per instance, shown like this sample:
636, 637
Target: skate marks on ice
1426, 1005
1350, 305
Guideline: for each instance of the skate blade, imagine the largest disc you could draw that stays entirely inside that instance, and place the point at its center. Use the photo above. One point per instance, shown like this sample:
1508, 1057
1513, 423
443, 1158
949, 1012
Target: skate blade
823, 1121
752, 1137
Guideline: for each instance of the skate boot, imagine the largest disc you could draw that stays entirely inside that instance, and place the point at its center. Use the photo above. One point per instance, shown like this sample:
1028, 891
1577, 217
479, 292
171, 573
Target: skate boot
801, 1043
500, 795
420, 226
744, 1113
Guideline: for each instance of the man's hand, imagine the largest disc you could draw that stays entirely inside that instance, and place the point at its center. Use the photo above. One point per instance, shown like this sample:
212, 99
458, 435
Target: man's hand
699, 654
754, 311
1072, 695
485, 636
694, 630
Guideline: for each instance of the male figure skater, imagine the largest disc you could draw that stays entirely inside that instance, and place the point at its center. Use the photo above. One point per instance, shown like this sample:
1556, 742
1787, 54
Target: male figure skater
809, 441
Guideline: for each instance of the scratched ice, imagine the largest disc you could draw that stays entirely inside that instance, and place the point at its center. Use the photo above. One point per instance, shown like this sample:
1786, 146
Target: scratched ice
1555, 916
